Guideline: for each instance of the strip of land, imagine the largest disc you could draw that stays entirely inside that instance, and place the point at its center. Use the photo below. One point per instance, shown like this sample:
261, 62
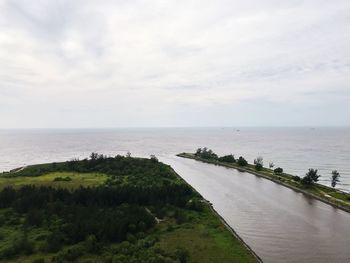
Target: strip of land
111, 209
323, 193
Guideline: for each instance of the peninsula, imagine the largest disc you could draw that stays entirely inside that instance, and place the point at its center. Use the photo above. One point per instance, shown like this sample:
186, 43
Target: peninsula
307, 185
110, 209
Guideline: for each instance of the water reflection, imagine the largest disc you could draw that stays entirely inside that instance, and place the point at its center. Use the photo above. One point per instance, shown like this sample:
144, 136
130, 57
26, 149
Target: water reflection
280, 224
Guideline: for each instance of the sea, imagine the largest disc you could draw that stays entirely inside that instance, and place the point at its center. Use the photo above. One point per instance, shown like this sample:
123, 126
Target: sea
294, 149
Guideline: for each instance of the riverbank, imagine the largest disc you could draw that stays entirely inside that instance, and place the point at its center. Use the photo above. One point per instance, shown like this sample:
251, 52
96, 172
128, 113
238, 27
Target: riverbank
323, 193
107, 209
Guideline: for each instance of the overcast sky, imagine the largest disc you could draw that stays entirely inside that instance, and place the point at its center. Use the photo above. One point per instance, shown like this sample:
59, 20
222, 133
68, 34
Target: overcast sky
174, 63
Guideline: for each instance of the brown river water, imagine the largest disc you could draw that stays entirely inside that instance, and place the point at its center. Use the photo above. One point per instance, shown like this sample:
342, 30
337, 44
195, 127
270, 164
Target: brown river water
279, 224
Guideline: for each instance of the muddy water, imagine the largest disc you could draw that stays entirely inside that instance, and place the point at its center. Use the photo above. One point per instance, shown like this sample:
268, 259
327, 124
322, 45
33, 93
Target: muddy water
280, 225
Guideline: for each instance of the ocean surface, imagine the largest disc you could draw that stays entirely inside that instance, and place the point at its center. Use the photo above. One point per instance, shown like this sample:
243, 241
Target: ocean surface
279, 224
294, 149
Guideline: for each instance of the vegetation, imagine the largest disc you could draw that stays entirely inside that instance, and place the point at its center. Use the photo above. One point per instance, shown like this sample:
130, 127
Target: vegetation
335, 178
308, 184
206, 153
242, 162
227, 159
259, 163
109, 209
278, 171
310, 177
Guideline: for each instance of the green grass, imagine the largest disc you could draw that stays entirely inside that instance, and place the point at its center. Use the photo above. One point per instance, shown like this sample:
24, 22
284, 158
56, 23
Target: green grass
78, 179
206, 239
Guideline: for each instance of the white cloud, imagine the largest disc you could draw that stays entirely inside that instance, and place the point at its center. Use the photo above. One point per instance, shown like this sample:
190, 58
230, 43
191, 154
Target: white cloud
126, 60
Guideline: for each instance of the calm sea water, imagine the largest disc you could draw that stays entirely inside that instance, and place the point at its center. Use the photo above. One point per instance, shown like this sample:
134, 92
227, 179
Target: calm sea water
281, 225
294, 149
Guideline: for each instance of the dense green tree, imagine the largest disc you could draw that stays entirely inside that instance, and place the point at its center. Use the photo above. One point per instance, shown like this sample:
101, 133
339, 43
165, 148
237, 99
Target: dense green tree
227, 158
278, 171
310, 177
241, 161
206, 153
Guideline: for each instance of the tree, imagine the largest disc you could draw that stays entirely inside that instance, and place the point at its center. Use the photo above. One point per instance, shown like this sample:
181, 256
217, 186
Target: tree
153, 158
206, 153
93, 156
310, 177
241, 161
271, 165
278, 170
258, 163
335, 178
227, 158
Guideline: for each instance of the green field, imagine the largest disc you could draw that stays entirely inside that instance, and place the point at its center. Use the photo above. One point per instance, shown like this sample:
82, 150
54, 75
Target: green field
64, 213
77, 179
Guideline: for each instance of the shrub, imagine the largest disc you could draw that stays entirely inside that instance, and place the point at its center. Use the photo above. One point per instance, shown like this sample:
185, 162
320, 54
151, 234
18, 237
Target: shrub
259, 163
54, 242
195, 204
70, 254
278, 171
227, 158
335, 178
241, 161
296, 178
34, 217
310, 177
206, 153
64, 179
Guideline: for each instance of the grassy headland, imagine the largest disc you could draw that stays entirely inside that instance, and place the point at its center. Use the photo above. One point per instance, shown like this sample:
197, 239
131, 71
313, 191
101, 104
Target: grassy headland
323, 193
110, 209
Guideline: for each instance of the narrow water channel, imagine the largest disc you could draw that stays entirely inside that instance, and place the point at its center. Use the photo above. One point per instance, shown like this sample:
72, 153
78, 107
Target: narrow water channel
280, 225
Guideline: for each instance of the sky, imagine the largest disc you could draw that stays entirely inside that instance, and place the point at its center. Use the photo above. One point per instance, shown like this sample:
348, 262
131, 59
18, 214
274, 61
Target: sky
153, 63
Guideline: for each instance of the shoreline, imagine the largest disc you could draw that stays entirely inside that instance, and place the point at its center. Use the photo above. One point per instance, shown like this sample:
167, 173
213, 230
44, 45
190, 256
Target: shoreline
277, 181
233, 232
223, 221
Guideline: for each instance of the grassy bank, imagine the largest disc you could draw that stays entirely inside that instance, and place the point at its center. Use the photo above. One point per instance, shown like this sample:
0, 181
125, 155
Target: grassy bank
323, 193
118, 210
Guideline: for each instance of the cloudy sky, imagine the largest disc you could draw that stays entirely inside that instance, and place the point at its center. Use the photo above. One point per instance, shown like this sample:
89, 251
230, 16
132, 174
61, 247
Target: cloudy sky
174, 63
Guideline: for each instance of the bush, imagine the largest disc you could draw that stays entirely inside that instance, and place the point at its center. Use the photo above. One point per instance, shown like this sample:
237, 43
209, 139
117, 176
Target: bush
182, 255
195, 204
258, 163
227, 159
296, 178
34, 217
310, 177
54, 242
70, 254
241, 161
64, 179
206, 153
278, 171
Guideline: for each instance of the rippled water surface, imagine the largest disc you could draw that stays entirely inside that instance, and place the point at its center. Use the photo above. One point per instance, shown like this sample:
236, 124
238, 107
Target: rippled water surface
280, 224
294, 149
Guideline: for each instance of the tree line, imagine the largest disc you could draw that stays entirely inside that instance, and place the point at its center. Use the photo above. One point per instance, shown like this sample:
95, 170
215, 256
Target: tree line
310, 177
